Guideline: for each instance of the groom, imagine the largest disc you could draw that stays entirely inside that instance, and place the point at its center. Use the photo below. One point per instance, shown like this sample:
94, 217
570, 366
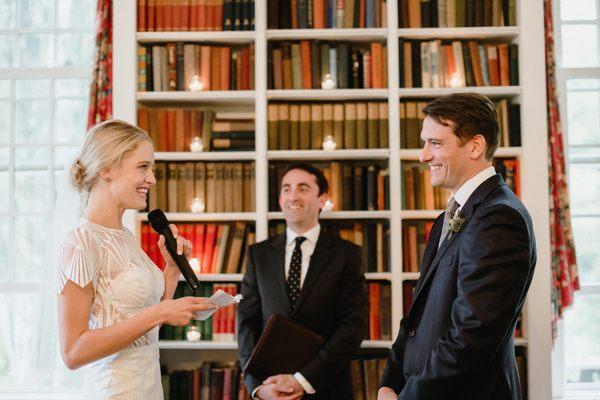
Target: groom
457, 340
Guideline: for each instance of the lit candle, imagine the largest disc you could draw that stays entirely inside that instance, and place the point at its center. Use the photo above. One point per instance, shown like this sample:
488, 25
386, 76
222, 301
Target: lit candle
195, 84
192, 334
329, 143
196, 145
195, 264
328, 206
197, 205
455, 81
328, 82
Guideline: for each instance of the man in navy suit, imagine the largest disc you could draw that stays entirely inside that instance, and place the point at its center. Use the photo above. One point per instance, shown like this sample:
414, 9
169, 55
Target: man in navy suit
457, 340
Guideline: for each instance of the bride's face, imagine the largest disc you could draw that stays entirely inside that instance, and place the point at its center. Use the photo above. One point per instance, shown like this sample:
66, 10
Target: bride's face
131, 180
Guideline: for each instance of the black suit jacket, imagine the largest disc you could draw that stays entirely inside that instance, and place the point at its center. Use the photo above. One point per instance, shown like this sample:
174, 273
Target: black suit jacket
457, 340
333, 304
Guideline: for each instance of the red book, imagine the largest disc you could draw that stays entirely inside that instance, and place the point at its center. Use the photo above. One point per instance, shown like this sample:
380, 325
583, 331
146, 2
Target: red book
245, 68
306, 64
210, 15
376, 69
225, 71
184, 10
167, 10
374, 311
227, 375
175, 14
319, 14
161, 117
198, 244
493, 64
201, 9
205, 68
141, 15
215, 254
209, 243
193, 15
159, 15
170, 131
150, 15
218, 15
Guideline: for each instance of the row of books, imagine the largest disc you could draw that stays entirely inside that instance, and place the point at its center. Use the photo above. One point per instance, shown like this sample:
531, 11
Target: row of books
353, 185
312, 64
217, 248
456, 13
380, 311
220, 327
418, 193
440, 63
203, 186
366, 375
321, 14
351, 125
411, 121
372, 236
172, 129
510, 170
415, 235
195, 15
194, 67
210, 381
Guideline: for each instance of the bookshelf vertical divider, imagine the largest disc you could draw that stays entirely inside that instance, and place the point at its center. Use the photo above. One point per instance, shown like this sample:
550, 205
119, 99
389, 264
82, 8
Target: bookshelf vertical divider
529, 34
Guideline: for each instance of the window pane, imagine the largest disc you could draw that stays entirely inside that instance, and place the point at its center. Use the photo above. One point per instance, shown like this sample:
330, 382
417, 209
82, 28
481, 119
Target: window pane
3, 253
587, 232
577, 10
72, 87
32, 121
64, 154
583, 114
582, 347
6, 50
74, 50
30, 235
4, 193
579, 46
76, 13
35, 50
574, 84
70, 121
4, 158
585, 176
7, 14
4, 121
31, 158
32, 191
36, 14
32, 88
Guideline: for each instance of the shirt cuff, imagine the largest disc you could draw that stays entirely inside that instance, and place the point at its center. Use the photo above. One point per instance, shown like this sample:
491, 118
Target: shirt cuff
254, 393
304, 383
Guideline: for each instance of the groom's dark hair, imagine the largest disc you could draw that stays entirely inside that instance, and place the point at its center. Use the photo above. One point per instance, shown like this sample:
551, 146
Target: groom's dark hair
468, 114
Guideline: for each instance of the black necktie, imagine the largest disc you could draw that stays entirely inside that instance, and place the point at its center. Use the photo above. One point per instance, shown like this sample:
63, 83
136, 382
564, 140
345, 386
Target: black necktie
293, 280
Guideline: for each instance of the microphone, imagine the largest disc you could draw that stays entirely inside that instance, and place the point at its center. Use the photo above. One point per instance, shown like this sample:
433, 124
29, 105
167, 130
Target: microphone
159, 222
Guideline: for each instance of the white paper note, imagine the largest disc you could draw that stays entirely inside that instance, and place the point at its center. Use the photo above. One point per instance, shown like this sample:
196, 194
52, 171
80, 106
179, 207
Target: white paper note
220, 299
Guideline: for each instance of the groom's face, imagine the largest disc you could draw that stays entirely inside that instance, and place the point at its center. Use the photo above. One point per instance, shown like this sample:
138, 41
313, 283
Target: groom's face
449, 159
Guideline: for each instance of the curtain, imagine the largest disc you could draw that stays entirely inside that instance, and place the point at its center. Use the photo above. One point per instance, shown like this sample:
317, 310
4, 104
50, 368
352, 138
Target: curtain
565, 279
101, 90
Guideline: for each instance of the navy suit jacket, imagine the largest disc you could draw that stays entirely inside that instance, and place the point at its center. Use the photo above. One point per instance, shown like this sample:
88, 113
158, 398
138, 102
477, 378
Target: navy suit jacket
333, 303
457, 340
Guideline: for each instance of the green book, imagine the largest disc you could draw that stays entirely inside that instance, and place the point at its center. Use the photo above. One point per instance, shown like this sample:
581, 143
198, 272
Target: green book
316, 126
361, 125
294, 127
296, 66
350, 126
383, 129
284, 126
372, 125
304, 140
273, 126
338, 125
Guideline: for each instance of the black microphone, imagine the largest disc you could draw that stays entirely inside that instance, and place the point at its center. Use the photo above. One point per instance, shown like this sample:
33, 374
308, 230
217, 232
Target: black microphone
159, 222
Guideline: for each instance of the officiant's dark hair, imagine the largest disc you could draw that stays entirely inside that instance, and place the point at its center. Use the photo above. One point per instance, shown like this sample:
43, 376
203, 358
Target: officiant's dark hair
316, 172
468, 114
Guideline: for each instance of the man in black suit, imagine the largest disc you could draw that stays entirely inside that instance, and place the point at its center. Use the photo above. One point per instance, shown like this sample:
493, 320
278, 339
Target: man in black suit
312, 277
457, 340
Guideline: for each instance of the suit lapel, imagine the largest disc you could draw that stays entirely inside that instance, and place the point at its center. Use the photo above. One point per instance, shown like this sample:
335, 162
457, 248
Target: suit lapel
318, 262
466, 212
277, 261
430, 249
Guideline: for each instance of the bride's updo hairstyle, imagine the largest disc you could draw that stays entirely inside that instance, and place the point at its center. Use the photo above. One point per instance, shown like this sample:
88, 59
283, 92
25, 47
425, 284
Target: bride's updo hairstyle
104, 147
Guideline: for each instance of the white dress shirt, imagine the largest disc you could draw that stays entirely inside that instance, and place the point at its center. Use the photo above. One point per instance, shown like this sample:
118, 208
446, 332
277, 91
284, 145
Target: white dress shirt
308, 248
466, 190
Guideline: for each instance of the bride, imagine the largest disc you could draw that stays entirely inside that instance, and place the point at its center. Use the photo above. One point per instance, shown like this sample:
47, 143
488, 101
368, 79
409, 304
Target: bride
112, 298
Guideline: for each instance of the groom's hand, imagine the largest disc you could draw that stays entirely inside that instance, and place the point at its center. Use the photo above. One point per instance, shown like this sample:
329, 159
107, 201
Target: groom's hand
385, 393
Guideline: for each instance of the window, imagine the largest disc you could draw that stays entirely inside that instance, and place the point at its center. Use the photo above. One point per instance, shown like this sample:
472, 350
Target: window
46, 55
578, 52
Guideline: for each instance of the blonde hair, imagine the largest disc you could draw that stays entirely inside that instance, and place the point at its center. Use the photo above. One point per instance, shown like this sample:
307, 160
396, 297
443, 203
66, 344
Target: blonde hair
104, 147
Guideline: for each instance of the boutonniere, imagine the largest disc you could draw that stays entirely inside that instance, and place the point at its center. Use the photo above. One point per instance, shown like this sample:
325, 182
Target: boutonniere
455, 224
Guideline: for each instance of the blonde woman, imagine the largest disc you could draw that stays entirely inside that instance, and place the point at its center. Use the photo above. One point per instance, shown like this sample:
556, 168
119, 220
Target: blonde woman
112, 298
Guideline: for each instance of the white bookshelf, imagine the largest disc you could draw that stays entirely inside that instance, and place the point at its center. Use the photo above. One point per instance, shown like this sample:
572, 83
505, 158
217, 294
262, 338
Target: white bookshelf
529, 34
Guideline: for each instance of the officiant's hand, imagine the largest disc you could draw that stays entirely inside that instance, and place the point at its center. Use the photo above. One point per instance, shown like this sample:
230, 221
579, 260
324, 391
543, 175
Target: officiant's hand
273, 391
286, 385
179, 312
385, 393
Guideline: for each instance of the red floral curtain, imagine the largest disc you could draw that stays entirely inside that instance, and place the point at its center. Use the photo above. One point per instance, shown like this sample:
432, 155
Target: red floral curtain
101, 91
565, 279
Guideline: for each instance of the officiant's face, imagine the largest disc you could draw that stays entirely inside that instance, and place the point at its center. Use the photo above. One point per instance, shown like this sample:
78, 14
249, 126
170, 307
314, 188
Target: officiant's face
448, 159
299, 198
131, 180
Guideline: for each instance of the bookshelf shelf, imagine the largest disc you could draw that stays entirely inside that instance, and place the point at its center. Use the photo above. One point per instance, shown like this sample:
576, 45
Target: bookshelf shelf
420, 214
215, 96
218, 277
376, 344
487, 32
205, 36
205, 156
361, 35
334, 94
413, 154
342, 215
521, 342
492, 91
345, 154
410, 276
185, 345
200, 217
382, 276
